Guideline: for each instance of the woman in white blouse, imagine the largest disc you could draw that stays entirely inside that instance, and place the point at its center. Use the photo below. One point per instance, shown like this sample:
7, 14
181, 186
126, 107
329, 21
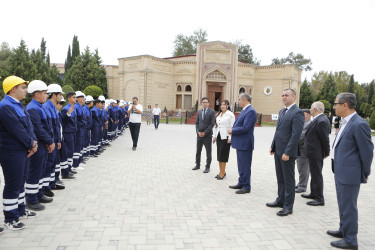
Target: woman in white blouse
224, 120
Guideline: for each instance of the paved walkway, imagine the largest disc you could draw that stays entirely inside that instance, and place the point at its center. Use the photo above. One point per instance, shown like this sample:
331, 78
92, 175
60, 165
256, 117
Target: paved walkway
151, 199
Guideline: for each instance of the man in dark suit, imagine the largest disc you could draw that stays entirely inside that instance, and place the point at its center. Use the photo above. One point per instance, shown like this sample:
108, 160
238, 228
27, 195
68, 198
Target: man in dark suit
243, 141
284, 147
316, 149
203, 126
352, 154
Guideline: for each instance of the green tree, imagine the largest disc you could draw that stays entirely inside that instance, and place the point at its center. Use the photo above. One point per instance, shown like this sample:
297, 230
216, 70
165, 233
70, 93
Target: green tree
371, 92
327, 105
187, 45
299, 60
68, 60
372, 120
67, 88
75, 48
245, 53
306, 95
351, 88
85, 71
328, 91
93, 90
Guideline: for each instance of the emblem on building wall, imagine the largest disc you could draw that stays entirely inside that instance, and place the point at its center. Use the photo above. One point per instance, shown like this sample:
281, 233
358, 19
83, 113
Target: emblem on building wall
267, 90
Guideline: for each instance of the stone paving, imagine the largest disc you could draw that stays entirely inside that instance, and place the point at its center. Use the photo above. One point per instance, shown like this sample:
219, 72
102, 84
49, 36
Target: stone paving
151, 199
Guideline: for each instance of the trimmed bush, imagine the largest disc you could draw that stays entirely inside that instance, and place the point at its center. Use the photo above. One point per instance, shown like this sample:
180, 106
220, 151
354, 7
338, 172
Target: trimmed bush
67, 88
94, 91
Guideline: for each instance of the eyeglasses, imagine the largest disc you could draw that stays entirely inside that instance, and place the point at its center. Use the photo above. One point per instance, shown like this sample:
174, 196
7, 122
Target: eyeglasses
204, 102
335, 103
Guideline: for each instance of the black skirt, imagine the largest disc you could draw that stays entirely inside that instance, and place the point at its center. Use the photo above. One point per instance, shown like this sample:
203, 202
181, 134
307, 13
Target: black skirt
223, 149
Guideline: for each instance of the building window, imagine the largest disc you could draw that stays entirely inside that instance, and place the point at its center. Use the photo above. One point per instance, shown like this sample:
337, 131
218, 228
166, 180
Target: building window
179, 89
178, 101
188, 88
216, 75
242, 90
187, 101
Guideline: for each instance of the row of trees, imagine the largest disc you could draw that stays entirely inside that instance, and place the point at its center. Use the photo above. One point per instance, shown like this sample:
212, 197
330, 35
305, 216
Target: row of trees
81, 69
325, 86
187, 45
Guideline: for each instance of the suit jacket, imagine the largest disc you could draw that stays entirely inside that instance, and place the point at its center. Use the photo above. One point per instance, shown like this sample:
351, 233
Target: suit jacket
354, 153
205, 125
317, 138
301, 143
288, 131
243, 129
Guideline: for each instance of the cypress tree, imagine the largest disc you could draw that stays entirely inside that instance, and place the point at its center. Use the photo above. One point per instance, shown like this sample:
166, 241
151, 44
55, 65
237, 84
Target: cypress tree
68, 60
351, 84
306, 95
328, 91
75, 48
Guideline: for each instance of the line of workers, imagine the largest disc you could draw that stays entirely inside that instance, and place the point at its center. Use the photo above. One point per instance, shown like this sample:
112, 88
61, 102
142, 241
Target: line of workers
45, 142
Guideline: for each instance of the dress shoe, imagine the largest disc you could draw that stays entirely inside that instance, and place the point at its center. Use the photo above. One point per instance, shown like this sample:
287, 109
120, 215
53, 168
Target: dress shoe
343, 245
68, 177
45, 199
48, 193
274, 204
134, 148
284, 212
221, 178
59, 182
300, 190
58, 187
243, 191
95, 156
196, 168
336, 234
35, 207
72, 171
307, 196
315, 203
238, 186
207, 170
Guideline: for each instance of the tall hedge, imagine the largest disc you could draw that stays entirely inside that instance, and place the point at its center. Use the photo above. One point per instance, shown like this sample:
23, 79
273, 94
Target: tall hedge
94, 91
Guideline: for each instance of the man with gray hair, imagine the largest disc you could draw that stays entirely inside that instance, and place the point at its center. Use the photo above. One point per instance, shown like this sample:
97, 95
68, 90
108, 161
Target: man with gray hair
352, 154
316, 149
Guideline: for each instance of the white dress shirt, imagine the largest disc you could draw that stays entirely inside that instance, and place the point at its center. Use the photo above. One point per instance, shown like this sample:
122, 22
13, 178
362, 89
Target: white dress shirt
224, 122
344, 122
156, 111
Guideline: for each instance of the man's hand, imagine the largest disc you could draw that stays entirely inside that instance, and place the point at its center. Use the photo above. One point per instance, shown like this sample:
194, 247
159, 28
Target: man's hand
32, 150
203, 134
229, 141
58, 145
271, 153
71, 109
230, 131
51, 147
285, 157
213, 140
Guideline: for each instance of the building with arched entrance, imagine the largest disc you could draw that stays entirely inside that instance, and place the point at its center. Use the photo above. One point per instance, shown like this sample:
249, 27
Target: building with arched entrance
178, 82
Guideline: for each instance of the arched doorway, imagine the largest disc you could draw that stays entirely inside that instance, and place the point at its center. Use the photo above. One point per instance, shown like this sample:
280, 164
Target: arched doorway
215, 88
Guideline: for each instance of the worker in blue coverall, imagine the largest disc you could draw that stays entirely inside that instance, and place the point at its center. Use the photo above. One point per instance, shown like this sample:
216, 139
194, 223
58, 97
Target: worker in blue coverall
44, 133
17, 144
54, 97
96, 126
87, 131
69, 128
79, 136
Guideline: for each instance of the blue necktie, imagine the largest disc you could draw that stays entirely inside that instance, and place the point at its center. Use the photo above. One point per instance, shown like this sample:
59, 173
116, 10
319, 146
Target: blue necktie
283, 112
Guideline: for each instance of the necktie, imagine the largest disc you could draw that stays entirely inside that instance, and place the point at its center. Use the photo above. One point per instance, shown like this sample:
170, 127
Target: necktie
204, 113
283, 112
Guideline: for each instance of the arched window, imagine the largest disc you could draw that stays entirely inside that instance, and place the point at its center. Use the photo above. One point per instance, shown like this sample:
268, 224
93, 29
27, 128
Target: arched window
216, 75
242, 90
188, 88
179, 89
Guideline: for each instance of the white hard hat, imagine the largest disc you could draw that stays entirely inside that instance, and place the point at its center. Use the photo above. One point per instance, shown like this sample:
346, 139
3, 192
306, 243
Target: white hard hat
54, 88
36, 85
101, 98
79, 94
89, 98
62, 99
122, 101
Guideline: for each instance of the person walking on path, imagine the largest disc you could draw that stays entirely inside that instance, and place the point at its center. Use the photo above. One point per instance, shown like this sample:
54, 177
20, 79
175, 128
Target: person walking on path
203, 127
135, 112
149, 114
156, 115
224, 121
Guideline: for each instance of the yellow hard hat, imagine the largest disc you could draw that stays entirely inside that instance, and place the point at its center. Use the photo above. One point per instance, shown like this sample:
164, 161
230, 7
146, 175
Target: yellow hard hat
12, 81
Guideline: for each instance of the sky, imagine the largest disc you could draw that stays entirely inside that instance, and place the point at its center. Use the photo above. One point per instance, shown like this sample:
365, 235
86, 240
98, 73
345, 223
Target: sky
337, 35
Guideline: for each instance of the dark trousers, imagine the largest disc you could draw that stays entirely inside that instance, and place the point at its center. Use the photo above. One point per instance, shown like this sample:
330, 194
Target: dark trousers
64, 163
69, 139
77, 147
207, 142
49, 171
244, 158
285, 181
94, 144
304, 171
34, 181
52, 184
347, 196
134, 131
15, 169
316, 183
156, 121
